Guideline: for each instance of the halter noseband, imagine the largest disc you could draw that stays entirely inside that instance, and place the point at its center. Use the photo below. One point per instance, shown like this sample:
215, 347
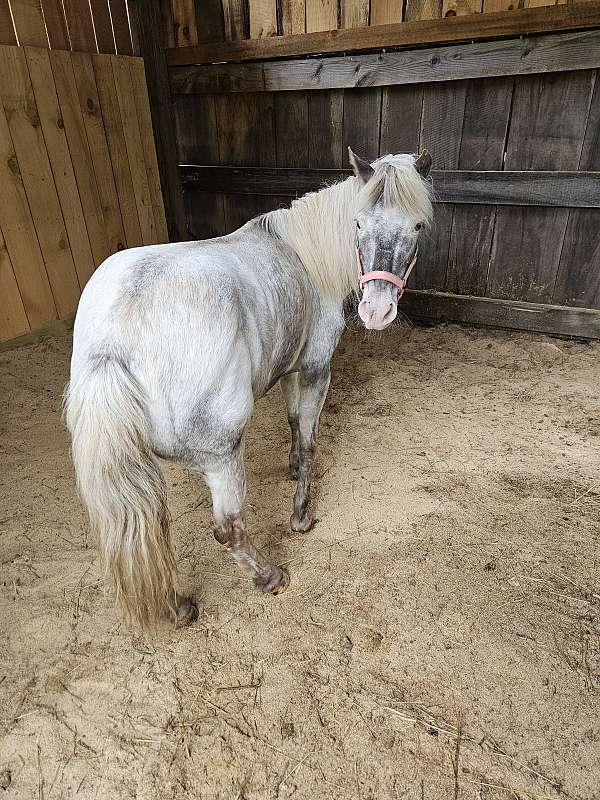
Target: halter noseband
384, 275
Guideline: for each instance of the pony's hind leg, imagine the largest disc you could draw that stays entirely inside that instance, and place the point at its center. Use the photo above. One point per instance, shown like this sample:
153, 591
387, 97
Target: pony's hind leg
290, 386
226, 480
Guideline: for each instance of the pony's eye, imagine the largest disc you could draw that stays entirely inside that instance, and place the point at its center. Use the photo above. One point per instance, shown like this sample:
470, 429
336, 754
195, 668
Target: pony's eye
418, 226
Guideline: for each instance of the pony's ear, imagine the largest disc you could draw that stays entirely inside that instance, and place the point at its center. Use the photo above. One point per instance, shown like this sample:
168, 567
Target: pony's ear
362, 169
423, 163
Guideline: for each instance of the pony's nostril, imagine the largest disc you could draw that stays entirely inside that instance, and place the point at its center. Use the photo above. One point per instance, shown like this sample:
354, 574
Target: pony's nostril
390, 313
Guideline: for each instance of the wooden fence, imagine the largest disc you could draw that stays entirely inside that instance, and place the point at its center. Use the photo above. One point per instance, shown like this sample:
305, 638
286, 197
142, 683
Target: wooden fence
513, 125
78, 170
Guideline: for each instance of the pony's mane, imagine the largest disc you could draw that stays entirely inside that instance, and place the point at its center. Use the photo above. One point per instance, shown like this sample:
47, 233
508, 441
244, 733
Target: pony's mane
320, 225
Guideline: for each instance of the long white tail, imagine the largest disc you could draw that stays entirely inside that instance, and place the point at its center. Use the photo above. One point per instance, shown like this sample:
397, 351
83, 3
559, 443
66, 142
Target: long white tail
120, 480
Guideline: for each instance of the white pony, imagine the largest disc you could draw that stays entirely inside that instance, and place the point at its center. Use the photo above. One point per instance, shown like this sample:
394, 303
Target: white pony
173, 343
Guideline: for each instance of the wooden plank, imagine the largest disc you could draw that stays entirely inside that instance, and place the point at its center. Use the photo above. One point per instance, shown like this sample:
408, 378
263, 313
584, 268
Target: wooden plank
142, 104
83, 164
485, 126
441, 129
555, 53
80, 25
236, 20
117, 145
121, 30
291, 129
526, 188
103, 26
293, 16
401, 119
7, 29
148, 32
514, 315
362, 114
546, 132
56, 24
29, 22
263, 18
210, 22
30, 149
184, 23
385, 12
98, 178
53, 128
326, 130
578, 279
20, 235
354, 13
457, 8
419, 30
321, 15
13, 317
423, 10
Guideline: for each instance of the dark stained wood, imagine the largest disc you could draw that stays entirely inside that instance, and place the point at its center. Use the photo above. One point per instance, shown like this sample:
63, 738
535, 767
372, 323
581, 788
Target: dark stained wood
401, 111
578, 279
325, 130
147, 27
80, 25
103, 26
209, 21
404, 34
441, 128
242, 208
527, 188
549, 319
362, 116
56, 24
487, 113
291, 129
120, 20
555, 53
546, 132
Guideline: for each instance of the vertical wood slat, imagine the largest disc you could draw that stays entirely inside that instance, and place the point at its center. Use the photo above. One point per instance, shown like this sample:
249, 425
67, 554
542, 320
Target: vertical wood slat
546, 132
354, 13
459, 8
384, 12
104, 239
80, 26
423, 9
103, 26
100, 161
30, 149
263, 18
13, 317
7, 29
184, 23
53, 128
56, 24
121, 29
29, 22
293, 16
236, 19
321, 15
210, 21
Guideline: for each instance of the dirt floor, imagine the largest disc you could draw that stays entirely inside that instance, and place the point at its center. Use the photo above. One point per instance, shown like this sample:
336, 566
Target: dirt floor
440, 636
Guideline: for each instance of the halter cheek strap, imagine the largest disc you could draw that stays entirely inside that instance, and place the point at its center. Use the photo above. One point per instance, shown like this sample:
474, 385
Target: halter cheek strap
382, 275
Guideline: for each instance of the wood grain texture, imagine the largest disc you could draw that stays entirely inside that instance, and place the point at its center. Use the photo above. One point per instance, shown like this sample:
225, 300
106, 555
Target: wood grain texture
546, 132
210, 23
458, 8
103, 26
423, 10
485, 126
326, 128
554, 53
263, 18
236, 20
30, 149
354, 13
321, 15
121, 29
53, 128
401, 111
362, 115
80, 25
550, 319
13, 317
56, 24
98, 228
291, 129
7, 29
184, 23
385, 12
293, 16
29, 22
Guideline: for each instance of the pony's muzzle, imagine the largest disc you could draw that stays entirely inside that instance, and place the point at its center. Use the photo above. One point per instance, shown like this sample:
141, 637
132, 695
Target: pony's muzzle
377, 309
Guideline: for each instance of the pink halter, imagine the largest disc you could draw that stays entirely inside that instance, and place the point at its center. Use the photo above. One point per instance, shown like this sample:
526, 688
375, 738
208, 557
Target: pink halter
383, 275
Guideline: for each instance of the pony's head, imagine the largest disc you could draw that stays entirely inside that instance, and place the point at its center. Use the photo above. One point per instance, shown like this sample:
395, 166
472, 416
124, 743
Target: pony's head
394, 206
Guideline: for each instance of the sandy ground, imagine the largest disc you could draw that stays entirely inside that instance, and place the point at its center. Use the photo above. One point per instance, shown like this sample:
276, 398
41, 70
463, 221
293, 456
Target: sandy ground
440, 635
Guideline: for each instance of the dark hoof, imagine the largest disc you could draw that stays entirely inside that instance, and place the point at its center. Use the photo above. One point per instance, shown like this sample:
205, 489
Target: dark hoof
276, 583
302, 525
187, 612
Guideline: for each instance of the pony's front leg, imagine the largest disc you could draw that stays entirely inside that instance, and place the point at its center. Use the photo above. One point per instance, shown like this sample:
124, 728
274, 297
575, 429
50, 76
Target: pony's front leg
313, 388
290, 386
227, 483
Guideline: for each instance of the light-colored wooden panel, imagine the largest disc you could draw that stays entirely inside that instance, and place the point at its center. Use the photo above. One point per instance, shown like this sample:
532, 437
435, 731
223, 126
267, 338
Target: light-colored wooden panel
293, 16
81, 27
263, 18
113, 125
29, 22
7, 29
81, 157
89, 104
384, 12
135, 151
28, 140
53, 128
20, 236
234, 20
184, 23
423, 9
354, 13
458, 8
140, 93
121, 30
103, 26
13, 319
321, 15
56, 24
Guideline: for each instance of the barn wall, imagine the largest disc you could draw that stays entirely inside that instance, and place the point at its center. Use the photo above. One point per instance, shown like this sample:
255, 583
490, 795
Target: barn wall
78, 172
